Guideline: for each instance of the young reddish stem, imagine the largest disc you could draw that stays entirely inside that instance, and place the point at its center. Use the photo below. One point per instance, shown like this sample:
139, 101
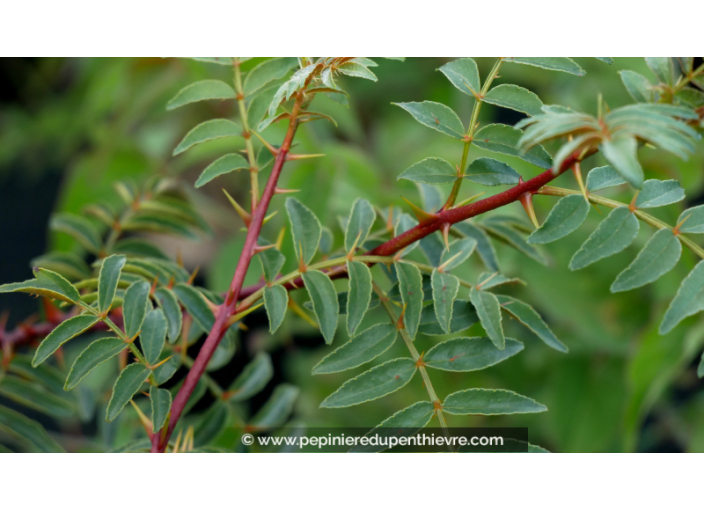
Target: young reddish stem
160, 441
451, 216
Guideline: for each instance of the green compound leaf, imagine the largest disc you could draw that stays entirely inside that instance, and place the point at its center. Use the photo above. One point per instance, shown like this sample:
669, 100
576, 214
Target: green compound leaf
484, 247
688, 300
566, 217
134, 307
489, 311
663, 67
360, 223
488, 281
266, 72
277, 408
445, 288
161, 406
657, 257
275, 302
172, 311
127, 385
526, 315
36, 397
51, 279
436, 116
360, 294
372, 384
638, 86
272, 260
206, 131
510, 236
700, 368
464, 75
306, 229
326, 241
195, 305
691, 221
50, 377
621, 153
613, 235
96, 353
362, 348
153, 335
253, 378
107, 282
27, 430
64, 332
201, 91
411, 290
657, 193
490, 172
460, 250
164, 372
430, 171
409, 421
490, 402
325, 306
211, 424
463, 316
357, 70
469, 353
564, 64
516, 98
139, 247
79, 228
504, 140
221, 166
603, 177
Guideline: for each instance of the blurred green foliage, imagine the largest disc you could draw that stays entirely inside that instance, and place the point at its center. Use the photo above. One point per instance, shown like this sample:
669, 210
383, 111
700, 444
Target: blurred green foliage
622, 386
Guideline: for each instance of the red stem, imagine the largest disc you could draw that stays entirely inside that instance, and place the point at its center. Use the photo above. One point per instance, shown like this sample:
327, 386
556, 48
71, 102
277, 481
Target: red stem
160, 440
450, 216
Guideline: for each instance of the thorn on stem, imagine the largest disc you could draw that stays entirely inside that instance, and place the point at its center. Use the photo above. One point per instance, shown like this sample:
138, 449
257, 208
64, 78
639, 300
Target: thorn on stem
527, 203
446, 235
246, 217
281, 191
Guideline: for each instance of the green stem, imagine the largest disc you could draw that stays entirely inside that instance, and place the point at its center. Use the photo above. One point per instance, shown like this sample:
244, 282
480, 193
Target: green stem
470, 133
131, 345
253, 170
416, 357
613, 204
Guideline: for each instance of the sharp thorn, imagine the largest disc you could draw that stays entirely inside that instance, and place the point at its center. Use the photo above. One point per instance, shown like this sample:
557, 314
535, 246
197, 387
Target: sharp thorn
422, 215
446, 235
294, 157
280, 191
192, 278
468, 200
259, 249
246, 217
527, 203
270, 148
280, 238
